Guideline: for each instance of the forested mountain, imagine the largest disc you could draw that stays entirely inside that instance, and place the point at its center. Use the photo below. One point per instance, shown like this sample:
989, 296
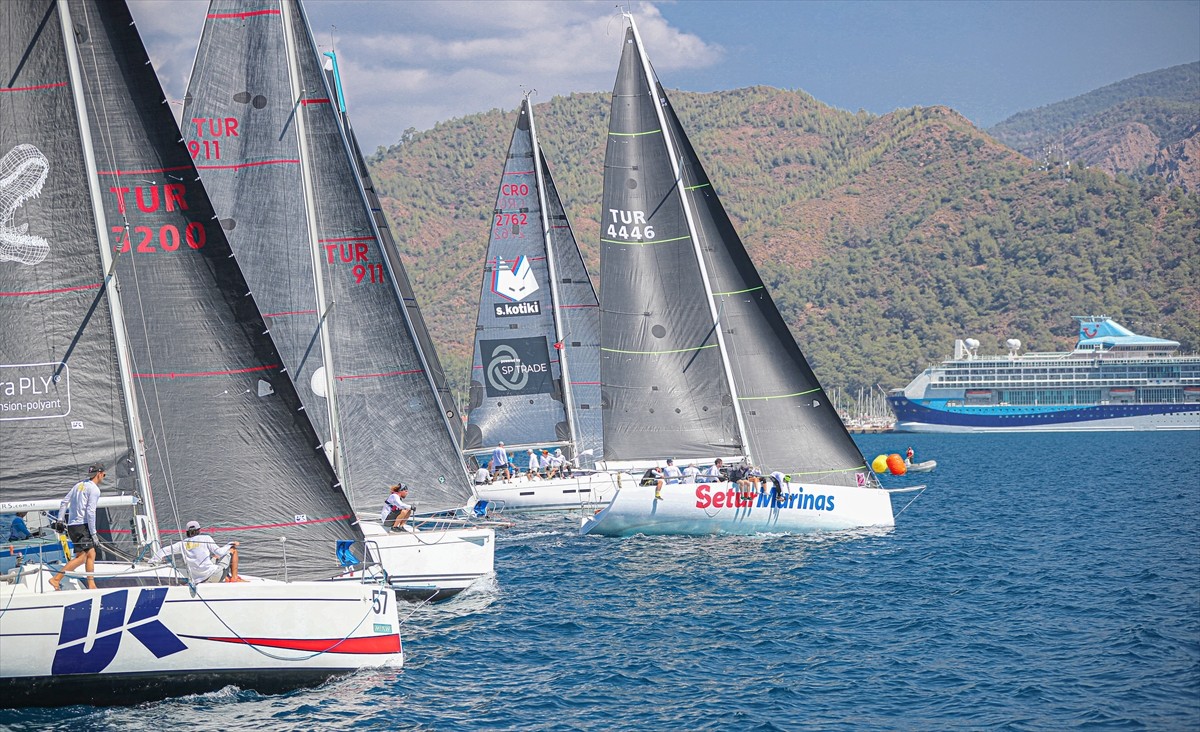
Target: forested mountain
882, 238
1145, 125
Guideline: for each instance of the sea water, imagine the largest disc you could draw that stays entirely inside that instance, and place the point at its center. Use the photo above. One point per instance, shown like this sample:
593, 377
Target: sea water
1041, 582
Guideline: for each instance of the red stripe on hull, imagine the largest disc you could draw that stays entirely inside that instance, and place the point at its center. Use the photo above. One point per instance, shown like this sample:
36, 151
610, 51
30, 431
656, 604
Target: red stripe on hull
377, 644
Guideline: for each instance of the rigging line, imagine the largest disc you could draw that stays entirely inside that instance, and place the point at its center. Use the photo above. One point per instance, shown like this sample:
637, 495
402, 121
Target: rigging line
112, 271
311, 341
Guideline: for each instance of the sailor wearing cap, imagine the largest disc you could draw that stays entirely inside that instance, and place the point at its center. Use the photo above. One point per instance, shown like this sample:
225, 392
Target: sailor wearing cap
80, 506
203, 558
396, 508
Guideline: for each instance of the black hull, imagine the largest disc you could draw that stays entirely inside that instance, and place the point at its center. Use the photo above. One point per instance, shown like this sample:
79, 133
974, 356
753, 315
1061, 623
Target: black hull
123, 689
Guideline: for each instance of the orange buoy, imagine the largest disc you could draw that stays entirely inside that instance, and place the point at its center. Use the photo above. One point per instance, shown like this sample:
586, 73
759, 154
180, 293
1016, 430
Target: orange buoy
896, 465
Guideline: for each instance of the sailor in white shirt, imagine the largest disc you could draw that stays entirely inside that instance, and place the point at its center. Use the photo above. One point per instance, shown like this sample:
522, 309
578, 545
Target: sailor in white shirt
482, 477
672, 473
202, 556
691, 474
713, 474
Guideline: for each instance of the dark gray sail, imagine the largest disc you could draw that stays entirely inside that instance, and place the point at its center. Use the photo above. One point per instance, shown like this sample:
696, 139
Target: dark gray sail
786, 421
51, 276
516, 379
791, 424
579, 323
664, 388
226, 442
386, 419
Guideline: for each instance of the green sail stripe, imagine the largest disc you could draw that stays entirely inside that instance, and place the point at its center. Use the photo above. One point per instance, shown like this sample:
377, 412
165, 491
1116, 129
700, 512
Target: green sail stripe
635, 134
645, 243
779, 396
739, 292
702, 185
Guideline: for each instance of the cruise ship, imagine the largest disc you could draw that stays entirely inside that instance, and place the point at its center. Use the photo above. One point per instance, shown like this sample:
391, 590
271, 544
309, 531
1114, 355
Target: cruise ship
1115, 379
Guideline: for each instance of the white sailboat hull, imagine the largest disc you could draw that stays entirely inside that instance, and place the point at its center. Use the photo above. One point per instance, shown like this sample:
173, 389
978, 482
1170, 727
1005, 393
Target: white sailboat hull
521, 495
431, 563
128, 644
714, 508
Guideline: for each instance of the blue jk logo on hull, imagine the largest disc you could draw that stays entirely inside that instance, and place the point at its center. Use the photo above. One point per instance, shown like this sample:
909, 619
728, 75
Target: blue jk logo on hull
142, 623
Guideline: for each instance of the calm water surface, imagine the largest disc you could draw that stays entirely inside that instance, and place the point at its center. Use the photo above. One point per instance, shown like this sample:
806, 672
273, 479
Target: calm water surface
1042, 582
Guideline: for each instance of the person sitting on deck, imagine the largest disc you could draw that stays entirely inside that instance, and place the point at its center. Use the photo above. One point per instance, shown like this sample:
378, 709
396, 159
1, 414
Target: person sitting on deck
483, 476
544, 464
691, 474
202, 557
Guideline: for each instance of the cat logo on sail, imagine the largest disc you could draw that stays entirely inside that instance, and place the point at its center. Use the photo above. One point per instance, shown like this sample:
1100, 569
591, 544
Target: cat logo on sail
84, 650
515, 282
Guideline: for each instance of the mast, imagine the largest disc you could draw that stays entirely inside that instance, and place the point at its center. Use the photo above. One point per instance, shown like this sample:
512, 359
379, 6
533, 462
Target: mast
114, 297
324, 309
388, 252
687, 212
565, 375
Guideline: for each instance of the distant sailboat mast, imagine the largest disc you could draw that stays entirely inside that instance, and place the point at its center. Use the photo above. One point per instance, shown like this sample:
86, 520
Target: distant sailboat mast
687, 212
325, 308
559, 335
150, 526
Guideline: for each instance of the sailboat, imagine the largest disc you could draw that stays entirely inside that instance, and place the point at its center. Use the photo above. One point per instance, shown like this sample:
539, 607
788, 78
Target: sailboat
129, 339
264, 128
696, 361
535, 381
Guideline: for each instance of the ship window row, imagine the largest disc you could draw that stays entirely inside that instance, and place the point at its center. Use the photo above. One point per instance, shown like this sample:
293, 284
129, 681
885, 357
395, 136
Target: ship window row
1081, 397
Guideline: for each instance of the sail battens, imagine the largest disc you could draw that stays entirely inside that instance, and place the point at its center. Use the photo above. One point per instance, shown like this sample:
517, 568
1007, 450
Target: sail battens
697, 187
291, 312
582, 305
634, 134
659, 353
519, 172
35, 87
197, 374
237, 16
255, 164
55, 291
319, 100
778, 396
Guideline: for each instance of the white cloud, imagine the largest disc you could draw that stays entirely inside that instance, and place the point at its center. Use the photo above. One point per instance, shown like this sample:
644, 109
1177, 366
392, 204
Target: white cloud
413, 64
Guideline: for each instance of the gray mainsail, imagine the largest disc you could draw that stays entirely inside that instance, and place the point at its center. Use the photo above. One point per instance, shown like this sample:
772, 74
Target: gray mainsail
224, 441
383, 421
786, 421
50, 276
664, 386
528, 350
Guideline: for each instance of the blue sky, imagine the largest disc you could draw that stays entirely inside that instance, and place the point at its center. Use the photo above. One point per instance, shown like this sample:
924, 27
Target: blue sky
413, 64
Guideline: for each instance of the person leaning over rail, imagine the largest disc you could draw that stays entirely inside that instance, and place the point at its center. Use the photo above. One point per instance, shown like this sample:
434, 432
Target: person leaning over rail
203, 558
80, 508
